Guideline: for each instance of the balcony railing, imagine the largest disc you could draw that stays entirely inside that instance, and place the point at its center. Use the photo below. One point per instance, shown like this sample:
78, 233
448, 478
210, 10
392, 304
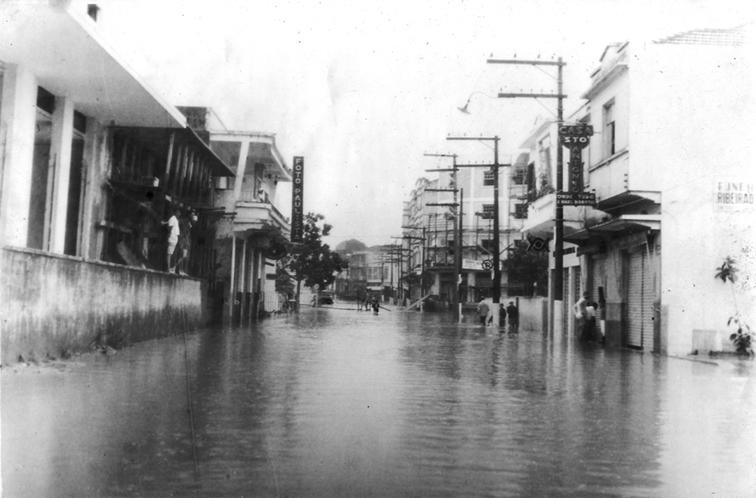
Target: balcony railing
255, 214
610, 176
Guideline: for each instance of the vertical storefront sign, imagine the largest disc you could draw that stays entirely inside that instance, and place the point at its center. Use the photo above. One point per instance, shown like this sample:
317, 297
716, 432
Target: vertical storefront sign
575, 138
297, 200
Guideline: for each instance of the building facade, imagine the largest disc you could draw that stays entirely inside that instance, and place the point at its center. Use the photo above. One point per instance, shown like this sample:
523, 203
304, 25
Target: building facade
250, 230
670, 206
92, 167
370, 270
431, 226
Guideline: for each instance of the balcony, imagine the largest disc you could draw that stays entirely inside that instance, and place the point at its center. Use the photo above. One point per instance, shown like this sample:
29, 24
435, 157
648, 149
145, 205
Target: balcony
609, 177
254, 215
610, 180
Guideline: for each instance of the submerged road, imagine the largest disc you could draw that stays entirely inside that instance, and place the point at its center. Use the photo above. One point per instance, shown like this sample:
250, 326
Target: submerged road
346, 403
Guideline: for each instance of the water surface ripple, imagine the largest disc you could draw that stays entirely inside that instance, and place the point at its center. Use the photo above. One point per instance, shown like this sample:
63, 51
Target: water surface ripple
341, 403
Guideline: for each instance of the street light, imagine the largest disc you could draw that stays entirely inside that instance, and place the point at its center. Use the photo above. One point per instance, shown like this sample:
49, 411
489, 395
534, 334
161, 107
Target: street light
464, 109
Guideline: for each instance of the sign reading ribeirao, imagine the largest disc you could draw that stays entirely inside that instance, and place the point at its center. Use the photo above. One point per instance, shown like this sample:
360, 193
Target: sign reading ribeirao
576, 138
297, 200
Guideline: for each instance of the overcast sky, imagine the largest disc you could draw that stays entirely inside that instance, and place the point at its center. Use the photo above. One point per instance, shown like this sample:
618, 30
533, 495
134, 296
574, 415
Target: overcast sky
363, 89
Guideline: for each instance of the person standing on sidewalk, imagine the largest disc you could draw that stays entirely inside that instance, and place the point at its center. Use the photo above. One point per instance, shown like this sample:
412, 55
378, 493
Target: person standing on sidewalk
483, 312
513, 316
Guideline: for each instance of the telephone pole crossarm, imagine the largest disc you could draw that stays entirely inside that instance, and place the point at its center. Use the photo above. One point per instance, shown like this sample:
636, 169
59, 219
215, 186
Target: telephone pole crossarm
505, 95
526, 62
483, 165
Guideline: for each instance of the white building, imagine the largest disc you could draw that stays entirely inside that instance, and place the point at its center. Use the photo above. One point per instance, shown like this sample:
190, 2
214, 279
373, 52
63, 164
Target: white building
669, 164
250, 228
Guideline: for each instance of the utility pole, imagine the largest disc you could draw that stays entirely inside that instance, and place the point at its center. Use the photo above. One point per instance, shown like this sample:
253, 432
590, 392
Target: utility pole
496, 285
410, 239
456, 302
458, 262
557, 316
422, 253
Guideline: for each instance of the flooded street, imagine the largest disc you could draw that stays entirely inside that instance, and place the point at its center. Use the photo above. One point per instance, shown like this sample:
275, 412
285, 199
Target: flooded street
341, 403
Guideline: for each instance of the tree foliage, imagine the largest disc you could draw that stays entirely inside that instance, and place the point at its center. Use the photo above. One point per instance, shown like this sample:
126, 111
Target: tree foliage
313, 262
526, 267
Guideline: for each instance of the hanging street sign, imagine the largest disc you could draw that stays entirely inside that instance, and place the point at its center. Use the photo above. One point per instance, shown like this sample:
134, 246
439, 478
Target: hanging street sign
472, 264
297, 200
576, 199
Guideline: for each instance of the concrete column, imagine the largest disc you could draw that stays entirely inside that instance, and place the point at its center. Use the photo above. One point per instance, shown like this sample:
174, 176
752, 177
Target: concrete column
60, 150
240, 167
253, 282
92, 157
260, 282
243, 267
231, 293
243, 288
471, 279
17, 123
558, 318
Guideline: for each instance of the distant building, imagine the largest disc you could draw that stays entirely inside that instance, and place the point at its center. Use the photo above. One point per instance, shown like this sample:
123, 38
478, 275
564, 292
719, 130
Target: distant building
430, 232
370, 270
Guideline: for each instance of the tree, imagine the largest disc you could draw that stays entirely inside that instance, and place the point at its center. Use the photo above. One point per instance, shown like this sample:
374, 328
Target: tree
313, 262
526, 267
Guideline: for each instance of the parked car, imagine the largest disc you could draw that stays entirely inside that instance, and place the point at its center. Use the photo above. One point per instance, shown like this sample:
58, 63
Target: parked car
325, 297
434, 303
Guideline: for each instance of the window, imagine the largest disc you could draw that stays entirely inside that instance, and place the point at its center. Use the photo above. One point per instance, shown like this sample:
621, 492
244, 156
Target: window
487, 245
521, 211
609, 129
488, 178
488, 212
221, 183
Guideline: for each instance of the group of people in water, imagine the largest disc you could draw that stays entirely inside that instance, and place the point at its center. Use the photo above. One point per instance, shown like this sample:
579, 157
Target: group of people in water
369, 302
585, 311
509, 315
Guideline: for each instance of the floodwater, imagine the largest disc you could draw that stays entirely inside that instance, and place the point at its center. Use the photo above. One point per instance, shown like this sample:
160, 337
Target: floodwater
346, 403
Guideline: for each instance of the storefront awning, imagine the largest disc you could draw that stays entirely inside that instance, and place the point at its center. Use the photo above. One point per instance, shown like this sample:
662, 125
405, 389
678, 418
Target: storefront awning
629, 197
61, 45
623, 224
545, 229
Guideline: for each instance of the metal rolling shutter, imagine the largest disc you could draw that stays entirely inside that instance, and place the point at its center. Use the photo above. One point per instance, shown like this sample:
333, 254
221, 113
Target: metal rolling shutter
634, 336
647, 324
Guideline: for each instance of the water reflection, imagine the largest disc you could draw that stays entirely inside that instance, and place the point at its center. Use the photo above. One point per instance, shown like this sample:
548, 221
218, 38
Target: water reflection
338, 403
